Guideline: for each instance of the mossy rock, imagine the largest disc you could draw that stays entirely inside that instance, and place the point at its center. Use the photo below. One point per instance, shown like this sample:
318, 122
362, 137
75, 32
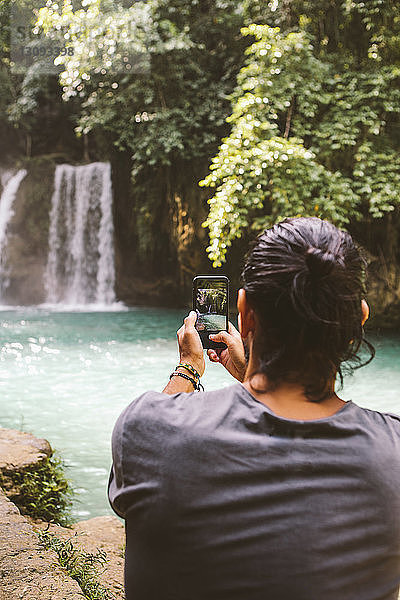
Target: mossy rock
33, 478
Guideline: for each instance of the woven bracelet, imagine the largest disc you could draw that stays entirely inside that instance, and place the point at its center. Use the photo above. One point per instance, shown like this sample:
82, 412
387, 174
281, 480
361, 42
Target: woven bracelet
189, 368
197, 385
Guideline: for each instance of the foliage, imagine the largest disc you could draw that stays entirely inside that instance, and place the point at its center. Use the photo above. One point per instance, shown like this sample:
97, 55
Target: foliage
101, 39
42, 491
9, 86
81, 566
314, 123
183, 59
31, 107
6, 85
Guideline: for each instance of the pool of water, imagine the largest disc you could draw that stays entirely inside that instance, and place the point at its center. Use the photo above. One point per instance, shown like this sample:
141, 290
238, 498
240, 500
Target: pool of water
66, 376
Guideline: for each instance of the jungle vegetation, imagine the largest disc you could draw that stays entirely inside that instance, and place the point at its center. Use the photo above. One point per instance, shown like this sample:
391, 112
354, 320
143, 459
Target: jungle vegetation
279, 108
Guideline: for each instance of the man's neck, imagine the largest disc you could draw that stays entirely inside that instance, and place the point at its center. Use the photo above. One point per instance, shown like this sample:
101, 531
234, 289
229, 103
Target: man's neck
288, 400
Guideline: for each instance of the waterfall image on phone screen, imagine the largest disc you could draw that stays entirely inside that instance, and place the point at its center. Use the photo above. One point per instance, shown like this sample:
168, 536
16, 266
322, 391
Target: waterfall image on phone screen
210, 306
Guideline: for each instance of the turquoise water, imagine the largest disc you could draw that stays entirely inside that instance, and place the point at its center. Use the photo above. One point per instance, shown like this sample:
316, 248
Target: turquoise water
67, 376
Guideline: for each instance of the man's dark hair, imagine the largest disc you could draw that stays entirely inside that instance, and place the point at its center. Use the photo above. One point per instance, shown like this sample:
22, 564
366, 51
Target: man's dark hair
304, 278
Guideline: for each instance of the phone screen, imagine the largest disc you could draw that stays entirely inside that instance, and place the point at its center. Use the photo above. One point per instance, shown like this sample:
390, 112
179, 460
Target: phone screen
210, 301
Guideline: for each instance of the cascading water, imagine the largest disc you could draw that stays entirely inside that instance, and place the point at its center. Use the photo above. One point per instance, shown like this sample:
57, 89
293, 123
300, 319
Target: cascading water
10, 184
80, 265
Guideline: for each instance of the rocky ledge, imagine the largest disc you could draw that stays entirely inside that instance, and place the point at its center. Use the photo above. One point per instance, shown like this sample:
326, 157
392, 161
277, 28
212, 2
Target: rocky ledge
27, 570
19, 451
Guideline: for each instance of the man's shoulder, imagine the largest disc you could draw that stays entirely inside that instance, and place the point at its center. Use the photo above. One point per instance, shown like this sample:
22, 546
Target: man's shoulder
182, 407
379, 420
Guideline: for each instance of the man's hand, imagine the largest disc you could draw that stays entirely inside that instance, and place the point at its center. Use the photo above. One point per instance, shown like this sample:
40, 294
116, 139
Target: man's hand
190, 346
233, 357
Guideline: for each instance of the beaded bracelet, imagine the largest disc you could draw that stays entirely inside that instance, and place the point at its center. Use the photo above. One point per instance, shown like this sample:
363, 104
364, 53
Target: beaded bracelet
189, 368
196, 384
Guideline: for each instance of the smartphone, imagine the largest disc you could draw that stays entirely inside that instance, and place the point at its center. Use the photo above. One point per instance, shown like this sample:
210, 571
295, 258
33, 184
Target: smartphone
211, 303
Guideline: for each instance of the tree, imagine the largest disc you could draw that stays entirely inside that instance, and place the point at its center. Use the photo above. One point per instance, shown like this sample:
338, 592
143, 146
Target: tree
168, 102
312, 121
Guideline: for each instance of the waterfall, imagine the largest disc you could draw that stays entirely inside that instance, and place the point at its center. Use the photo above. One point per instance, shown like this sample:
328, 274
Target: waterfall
80, 264
10, 184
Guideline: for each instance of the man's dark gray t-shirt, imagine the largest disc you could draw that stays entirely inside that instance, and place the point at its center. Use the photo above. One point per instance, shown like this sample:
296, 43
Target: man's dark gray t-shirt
224, 500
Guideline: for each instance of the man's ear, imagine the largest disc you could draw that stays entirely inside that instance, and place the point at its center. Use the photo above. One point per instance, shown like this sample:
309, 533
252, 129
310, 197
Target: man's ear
246, 317
365, 311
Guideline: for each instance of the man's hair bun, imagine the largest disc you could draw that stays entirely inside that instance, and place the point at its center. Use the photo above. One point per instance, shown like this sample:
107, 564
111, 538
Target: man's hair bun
320, 263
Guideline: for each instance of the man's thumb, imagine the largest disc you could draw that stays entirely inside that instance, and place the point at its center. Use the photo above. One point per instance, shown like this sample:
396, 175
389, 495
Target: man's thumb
191, 318
222, 336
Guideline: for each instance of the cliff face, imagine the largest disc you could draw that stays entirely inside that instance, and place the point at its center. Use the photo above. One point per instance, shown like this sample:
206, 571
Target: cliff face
159, 241
27, 235
384, 293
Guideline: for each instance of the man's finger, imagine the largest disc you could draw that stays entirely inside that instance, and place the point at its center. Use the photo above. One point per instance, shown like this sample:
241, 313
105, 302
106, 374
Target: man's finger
212, 355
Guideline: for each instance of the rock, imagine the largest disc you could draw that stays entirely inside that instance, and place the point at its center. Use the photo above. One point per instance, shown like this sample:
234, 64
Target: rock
28, 571
105, 533
384, 294
19, 451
